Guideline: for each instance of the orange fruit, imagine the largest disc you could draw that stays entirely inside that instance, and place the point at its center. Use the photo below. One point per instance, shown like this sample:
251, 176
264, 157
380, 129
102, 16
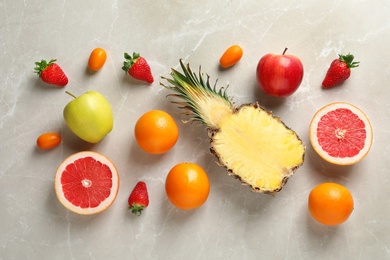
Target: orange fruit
86, 183
48, 140
341, 133
187, 186
156, 132
330, 203
97, 59
231, 56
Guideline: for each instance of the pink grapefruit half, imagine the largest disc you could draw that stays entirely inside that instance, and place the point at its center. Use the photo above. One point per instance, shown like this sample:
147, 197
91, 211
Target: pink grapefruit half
86, 183
341, 133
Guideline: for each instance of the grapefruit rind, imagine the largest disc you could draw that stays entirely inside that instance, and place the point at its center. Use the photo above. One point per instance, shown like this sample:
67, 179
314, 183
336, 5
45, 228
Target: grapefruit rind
105, 204
314, 136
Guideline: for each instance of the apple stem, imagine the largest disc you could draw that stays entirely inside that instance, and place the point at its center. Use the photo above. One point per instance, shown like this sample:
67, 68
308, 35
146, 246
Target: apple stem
67, 92
285, 50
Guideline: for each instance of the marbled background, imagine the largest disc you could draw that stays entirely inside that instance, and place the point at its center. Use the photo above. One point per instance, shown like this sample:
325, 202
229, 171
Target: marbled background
234, 223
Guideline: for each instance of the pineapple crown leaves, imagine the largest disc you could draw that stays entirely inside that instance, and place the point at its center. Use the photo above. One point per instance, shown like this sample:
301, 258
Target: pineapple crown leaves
42, 65
129, 61
194, 89
348, 59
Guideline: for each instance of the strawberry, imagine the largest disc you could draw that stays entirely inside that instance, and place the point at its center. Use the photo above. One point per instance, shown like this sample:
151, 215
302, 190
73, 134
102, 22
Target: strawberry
339, 70
51, 73
137, 67
139, 198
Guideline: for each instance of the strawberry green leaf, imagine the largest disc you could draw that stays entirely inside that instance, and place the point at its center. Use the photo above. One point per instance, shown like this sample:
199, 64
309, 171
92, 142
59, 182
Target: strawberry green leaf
42, 65
348, 59
129, 61
136, 209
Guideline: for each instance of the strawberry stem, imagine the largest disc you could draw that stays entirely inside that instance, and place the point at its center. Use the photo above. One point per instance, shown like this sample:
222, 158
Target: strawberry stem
70, 94
42, 65
136, 209
348, 59
129, 61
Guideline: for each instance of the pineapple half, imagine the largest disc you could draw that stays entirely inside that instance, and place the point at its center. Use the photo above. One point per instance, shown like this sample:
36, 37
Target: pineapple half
252, 144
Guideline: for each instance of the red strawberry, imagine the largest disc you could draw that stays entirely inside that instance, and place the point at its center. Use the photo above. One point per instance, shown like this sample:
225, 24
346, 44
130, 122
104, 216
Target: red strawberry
139, 198
51, 73
339, 70
137, 67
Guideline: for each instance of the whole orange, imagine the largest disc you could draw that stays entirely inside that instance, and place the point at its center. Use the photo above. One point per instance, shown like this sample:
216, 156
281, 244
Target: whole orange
330, 203
156, 132
187, 186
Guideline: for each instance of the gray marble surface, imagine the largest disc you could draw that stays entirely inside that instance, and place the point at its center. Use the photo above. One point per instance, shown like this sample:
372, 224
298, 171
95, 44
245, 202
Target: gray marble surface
234, 223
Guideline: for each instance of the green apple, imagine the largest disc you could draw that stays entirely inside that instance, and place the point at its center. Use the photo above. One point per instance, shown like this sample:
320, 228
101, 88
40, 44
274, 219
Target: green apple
89, 116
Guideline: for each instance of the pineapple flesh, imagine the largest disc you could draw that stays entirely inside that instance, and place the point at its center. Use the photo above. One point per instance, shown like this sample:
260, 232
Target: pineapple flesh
252, 144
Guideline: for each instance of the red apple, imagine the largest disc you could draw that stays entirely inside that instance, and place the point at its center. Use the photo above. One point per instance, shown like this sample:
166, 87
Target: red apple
279, 75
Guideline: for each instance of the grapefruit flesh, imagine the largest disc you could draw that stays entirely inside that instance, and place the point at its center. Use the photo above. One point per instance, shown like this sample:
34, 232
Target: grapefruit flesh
341, 133
86, 183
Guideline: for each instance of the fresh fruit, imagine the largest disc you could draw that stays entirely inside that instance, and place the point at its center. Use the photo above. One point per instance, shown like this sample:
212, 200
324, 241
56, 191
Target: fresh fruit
341, 133
330, 204
97, 58
137, 67
86, 183
252, 144
89, 116
156, 132
339, 70
279, 75
48, 140
231, 56
139, 198
187, 186
51, 73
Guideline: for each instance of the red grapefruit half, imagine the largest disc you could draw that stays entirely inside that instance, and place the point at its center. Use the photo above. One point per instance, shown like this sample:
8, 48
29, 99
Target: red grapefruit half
341, 133
86, 183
